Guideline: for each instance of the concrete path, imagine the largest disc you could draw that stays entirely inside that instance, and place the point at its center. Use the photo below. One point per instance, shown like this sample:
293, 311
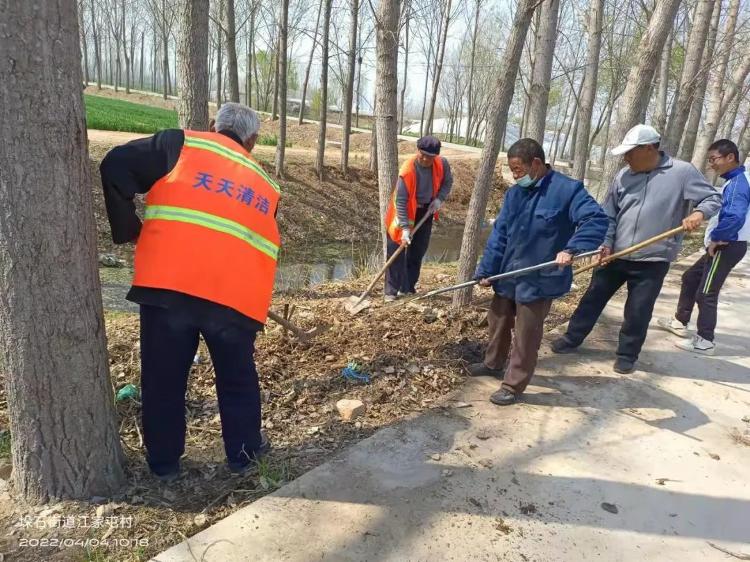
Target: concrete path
592, 466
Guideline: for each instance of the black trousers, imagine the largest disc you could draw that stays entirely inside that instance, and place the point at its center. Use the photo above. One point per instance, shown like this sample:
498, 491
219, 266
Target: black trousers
169, 340
404, 272
644, 281
701, 284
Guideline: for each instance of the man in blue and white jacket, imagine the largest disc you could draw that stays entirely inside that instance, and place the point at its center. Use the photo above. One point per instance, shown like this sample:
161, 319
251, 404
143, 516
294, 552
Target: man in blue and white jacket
726, 244
546, 216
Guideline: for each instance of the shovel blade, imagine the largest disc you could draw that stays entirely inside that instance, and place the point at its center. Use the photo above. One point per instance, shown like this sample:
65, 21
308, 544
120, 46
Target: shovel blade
355, 305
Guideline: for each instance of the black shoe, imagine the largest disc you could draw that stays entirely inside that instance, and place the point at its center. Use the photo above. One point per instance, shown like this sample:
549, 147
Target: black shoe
562, 345
247, 464
166, 473
482, 370
624, 366
503, 397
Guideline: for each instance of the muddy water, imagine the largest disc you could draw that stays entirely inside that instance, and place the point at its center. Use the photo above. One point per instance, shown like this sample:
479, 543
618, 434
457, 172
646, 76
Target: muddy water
308, 267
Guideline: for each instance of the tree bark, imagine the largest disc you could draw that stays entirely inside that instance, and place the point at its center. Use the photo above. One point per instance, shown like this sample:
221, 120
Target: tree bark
719, 88
276, 70
588, 94
349, 97
439, 67
230, 33
52, 342
689, 79
283, 38
470, 94
497, 120
193, 65
85, 47
386, 86
687, 144
540, 78
97, 49
165, 49
744, 144
660, 115
125, 50
320, 158
309, 63
402, 102
641, 76
143, 45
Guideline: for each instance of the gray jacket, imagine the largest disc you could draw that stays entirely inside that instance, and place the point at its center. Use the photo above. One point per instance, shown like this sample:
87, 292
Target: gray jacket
424, 189
642, 205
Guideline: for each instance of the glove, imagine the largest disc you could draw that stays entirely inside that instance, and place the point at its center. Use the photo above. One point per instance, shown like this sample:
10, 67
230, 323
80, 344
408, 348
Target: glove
406, 236
435, 206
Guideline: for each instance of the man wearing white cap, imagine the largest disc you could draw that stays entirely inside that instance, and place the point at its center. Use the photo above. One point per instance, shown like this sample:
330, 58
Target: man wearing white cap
652, 194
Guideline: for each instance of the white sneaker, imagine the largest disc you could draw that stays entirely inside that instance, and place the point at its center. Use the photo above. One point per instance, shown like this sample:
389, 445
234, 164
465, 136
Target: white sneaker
697, 345
673, 325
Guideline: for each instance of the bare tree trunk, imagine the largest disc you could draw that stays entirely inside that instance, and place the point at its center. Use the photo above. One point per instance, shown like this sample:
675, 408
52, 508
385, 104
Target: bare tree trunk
540, 79
497, 120
406, 69
722, 88
660, 115
277, 68
125, 50
97, 49
641, 76
744, 144
320, 159
470, 94
283, 37
143, 45
422, 127
60, 402
588, 94
165, 48
730, 117
689, 80
230, 33
309, 64
439, 67
373, 164
193, 69
386, 106
348, 98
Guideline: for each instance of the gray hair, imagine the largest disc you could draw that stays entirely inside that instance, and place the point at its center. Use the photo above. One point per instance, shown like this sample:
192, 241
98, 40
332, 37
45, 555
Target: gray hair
239, 119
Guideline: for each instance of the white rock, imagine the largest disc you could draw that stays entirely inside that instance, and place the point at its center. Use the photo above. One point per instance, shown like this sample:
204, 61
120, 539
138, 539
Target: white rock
350, 409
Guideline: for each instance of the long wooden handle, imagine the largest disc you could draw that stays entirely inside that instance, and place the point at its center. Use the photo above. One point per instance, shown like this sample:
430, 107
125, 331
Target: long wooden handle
390, 261
286, 323
631, 249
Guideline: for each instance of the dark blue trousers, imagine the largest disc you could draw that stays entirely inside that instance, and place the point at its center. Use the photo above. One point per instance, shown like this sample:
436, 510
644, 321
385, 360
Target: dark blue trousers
404, 272
169, 340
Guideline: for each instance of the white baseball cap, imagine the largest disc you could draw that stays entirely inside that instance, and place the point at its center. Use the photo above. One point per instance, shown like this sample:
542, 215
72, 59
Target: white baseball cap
637, 136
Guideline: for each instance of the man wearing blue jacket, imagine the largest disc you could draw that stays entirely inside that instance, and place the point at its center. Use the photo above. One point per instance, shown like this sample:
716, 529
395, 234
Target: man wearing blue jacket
546, 216
726, 243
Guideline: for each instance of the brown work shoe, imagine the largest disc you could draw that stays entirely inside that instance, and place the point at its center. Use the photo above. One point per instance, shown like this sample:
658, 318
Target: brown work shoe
482, 370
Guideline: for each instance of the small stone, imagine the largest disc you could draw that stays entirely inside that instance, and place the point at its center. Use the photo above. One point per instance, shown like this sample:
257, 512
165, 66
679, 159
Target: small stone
714, 456
610, 507
330, 358
265, 396
314, 429
746, 419
429, 316
200, 520
435, 457
106, 509
462, 405
358, 425
350, 410
447, 473
269, 425
413, 369
483, 434
486, 463
389, 370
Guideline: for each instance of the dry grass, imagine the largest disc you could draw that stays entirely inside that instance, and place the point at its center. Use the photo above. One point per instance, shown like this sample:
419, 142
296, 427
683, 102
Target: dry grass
739, 436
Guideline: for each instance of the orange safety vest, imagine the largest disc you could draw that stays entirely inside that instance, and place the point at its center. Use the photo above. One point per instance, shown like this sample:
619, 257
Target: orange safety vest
409, 175
210, 227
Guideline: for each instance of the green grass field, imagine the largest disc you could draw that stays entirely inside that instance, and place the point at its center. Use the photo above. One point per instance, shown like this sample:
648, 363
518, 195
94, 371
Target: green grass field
116, 115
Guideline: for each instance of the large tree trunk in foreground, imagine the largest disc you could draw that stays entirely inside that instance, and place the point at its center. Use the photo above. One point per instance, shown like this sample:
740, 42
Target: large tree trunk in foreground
193, 66
52, 343
386, 102
497, 119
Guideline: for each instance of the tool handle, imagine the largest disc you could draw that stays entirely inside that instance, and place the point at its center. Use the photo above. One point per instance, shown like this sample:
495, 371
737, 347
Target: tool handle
390, 261
631, 249
284, 322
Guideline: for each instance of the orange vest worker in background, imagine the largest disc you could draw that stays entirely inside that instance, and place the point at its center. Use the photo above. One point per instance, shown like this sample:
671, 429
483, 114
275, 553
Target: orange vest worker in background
205, 261
424, 183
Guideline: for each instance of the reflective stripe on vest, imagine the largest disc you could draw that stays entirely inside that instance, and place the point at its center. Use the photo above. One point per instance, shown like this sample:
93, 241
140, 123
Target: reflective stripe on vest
213, 222
215, 147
